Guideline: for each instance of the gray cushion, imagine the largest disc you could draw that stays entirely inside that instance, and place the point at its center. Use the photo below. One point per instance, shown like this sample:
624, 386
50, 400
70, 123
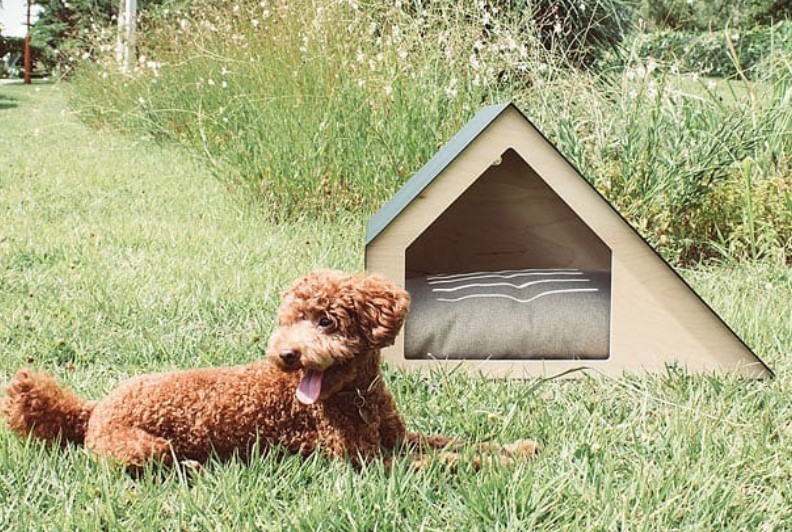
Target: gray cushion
509, 314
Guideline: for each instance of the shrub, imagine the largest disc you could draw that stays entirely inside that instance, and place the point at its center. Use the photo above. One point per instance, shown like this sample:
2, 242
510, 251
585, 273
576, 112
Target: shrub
580, 30
318, 111
709, 15
710, 53
671, 154
314, 110
766, 12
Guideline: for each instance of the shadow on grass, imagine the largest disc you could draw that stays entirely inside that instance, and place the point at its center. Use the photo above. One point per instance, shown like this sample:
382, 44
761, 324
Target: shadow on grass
7, 102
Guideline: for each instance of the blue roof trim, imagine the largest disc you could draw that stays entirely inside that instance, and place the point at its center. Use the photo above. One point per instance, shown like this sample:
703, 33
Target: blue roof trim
432, 169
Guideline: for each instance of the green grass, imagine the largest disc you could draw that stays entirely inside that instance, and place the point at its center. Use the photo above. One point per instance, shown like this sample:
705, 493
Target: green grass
118, 256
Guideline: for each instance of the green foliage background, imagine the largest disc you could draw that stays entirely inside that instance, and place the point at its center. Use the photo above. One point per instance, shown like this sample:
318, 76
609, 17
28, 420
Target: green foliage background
64, 30
318, 112
708, 15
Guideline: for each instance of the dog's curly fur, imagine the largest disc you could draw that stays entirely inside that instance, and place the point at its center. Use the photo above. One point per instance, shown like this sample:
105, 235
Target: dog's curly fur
320, 386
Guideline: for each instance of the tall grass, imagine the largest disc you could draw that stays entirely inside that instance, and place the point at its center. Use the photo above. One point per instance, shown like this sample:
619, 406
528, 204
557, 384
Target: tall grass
327, 106
315, 107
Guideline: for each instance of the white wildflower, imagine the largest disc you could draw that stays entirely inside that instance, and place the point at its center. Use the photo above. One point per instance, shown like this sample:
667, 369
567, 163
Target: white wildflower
451, 88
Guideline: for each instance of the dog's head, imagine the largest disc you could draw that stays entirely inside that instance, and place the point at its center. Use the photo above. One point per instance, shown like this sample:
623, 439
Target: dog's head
331, 326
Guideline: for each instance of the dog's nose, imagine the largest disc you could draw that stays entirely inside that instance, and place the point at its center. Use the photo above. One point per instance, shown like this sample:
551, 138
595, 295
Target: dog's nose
290, 356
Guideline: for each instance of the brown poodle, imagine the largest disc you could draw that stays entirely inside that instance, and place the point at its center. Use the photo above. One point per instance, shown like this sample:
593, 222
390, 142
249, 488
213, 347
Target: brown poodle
320, 387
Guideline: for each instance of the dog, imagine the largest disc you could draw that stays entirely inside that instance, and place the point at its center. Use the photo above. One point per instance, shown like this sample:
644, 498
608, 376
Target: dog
319, 387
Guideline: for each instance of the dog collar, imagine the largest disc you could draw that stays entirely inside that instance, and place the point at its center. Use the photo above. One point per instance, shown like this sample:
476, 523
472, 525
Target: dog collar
360, 396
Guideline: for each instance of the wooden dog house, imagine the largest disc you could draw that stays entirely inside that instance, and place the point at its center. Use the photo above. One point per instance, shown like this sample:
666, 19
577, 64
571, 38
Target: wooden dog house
500, 202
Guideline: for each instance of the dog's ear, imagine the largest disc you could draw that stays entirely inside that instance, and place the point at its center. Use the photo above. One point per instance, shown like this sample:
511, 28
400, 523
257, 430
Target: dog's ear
382, 308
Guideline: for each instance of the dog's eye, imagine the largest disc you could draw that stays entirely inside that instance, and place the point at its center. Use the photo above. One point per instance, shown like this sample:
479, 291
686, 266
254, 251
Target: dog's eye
325, 322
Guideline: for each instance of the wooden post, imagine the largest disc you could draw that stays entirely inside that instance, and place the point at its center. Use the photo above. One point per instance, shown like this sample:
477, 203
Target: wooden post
125, 48
28, 61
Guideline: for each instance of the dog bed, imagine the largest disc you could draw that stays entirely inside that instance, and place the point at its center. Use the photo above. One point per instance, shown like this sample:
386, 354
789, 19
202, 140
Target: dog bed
509, 314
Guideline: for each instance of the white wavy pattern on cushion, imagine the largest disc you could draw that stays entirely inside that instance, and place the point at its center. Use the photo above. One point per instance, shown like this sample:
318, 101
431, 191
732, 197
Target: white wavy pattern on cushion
507, 274
510, 285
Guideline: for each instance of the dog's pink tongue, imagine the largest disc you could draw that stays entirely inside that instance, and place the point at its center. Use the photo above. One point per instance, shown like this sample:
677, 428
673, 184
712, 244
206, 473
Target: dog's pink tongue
310, 387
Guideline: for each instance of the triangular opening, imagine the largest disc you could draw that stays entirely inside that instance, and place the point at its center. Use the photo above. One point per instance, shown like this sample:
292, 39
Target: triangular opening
538, 278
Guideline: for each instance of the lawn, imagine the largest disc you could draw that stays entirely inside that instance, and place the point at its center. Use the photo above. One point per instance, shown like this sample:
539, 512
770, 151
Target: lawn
119, 256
